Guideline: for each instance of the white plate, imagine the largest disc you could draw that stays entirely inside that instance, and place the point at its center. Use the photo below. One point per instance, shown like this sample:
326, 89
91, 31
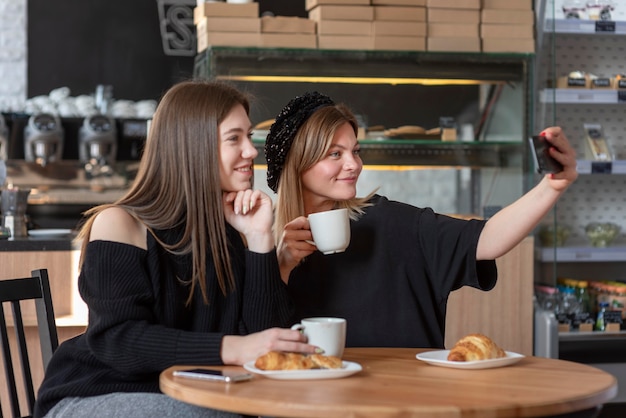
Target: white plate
349, 368
439, 358
47, 233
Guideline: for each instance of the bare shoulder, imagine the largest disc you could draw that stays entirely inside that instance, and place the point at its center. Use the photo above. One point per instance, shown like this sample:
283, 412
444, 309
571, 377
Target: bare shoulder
115, 224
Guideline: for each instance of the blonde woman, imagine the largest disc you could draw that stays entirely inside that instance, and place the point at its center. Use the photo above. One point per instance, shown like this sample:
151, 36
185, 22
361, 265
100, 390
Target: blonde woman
392, 282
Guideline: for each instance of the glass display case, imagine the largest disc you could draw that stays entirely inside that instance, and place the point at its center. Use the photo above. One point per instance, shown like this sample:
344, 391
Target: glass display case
488, 98
589, 51
581, 87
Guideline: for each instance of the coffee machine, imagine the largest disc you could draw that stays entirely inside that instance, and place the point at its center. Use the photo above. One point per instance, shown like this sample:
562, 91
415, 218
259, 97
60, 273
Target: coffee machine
43, 139
97, 144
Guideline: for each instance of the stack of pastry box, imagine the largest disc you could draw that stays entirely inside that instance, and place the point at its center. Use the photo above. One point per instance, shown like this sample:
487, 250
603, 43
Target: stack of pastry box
409, 25
481, 25
239, 25
507, 26
369, 24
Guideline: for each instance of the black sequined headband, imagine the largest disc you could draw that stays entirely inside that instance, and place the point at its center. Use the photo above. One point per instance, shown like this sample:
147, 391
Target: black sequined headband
283, 131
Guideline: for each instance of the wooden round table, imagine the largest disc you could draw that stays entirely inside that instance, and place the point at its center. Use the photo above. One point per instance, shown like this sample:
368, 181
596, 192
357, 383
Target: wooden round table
394, 383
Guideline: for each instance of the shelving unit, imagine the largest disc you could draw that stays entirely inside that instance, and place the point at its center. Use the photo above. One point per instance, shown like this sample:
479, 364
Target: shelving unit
284, 67
599, 194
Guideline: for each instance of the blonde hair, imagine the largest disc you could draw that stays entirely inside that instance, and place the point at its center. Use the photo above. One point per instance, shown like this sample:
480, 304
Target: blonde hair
178, 181
310, 145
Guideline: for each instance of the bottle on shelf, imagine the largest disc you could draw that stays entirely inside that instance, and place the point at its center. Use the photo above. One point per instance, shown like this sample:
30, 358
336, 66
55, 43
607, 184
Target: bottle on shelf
582, 291
600, 324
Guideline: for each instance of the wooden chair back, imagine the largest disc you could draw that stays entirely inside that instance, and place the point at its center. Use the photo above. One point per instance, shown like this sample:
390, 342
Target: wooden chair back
13, 291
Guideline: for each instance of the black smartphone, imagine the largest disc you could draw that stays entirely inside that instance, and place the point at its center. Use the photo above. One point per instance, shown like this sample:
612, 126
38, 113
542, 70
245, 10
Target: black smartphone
211, 374
543, 161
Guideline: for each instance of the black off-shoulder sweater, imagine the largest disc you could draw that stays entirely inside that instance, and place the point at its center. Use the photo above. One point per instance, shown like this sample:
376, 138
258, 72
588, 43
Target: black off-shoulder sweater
139, 324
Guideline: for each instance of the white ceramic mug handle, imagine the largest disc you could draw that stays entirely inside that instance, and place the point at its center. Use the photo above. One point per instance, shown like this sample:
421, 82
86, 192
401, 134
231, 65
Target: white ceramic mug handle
310, 242
298, 327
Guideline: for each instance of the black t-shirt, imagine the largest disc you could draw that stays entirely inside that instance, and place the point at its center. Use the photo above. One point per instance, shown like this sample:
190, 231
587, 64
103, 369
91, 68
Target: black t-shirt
393, 281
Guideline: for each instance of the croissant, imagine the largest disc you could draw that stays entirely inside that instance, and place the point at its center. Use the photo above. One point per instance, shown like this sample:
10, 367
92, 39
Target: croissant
276, 360
475, 347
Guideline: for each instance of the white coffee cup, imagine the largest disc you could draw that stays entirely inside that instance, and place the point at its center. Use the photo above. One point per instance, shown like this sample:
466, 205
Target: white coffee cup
327, 333
331, 230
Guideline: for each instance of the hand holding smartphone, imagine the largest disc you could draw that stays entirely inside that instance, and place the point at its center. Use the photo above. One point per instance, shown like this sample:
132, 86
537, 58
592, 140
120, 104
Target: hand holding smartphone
212, 374
543, 161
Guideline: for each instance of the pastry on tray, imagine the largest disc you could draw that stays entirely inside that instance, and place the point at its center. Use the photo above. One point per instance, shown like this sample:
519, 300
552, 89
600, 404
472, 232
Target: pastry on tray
474, 347
277, 360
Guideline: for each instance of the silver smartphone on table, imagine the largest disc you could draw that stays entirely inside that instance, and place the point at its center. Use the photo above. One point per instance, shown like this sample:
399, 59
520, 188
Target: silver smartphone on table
212, 374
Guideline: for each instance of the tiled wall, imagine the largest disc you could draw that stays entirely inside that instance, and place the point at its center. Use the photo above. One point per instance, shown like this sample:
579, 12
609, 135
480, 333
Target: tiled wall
13, 54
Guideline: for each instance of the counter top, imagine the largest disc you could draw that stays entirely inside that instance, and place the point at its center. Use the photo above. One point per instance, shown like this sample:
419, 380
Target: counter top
38, 244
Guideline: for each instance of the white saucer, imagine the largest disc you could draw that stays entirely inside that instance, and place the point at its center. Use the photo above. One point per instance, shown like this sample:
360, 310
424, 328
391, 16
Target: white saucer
349, 368
440, 358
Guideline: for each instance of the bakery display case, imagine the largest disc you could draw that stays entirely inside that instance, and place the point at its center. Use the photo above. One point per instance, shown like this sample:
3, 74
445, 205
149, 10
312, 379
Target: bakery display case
580, 256
486, 97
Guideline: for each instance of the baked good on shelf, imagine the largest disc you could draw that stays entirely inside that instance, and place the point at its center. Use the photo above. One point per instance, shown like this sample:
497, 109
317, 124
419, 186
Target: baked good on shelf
277, 360
474, 347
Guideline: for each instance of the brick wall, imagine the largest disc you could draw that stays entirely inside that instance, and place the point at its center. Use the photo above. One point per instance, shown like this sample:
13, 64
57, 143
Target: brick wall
13, 54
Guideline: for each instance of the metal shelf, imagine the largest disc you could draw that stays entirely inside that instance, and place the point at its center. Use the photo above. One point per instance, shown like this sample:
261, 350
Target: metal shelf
582, 96
582, 253
589, 27
601, 167
408, 152
409, 66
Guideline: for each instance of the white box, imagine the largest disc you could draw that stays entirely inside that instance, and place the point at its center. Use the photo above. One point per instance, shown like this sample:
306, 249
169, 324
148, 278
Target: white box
344, 27
400, 43
345, 42
292, 40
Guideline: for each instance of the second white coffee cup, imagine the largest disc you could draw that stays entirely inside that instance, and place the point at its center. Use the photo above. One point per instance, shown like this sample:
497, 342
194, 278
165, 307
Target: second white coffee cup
330, 230
325, 332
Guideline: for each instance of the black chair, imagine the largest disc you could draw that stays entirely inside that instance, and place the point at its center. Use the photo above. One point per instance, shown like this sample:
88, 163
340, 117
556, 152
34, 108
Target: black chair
35, 288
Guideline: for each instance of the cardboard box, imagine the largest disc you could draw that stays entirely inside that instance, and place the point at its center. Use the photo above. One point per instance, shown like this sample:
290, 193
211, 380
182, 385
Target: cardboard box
388, 28
437, 15
399, 13
243, 39
453, 44
454, 4
453, 30
400, 43
342, 13
293, 40
508, 4
344, 27
225, 10
522, 17
229, 24
510, 31
602, 83
287, 24
398, 2
508, 45
345, 42
598, 146
566, 82
310, 4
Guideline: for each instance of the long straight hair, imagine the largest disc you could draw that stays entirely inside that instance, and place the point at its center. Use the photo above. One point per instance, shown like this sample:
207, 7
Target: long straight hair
310, 145
178, 180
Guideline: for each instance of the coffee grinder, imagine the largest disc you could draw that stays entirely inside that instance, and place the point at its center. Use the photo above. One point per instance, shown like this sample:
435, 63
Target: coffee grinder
97, 144
43, 139
13, 204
